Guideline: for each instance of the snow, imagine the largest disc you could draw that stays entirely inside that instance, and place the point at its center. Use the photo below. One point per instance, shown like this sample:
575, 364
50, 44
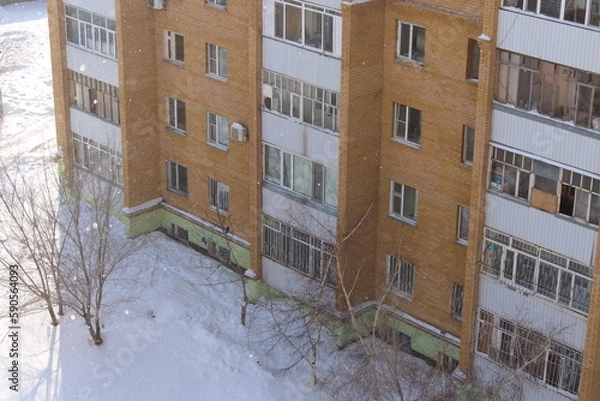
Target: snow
175, 335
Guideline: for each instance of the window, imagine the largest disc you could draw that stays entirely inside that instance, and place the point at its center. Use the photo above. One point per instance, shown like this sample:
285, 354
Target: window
217, 3
91, 31
463, 225
403, 202
550, 89
300, 100
176, 114
301, 175
517, 347
299, 250
574, 11
557, 278
97, 158
217, 61
410, 43
306, 24
456, 305
511, 173
580, 197
174, 47
400, 276
218, 130
407, 124
94, 96
473, 60
468, 145
218, 195
177, 178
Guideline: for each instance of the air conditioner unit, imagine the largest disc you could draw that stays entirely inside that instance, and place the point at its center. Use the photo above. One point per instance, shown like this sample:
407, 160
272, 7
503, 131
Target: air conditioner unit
157, 4
267, 96
238, 132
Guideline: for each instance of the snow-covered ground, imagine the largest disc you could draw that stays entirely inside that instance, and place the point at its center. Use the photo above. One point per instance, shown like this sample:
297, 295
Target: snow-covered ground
176, 337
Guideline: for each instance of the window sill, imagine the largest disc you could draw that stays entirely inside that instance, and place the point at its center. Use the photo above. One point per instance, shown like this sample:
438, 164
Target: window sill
410, 61
217, 77
179, 193
403, 295
175, 130
405, 142
403, 219
472, 80
218, 146
217, 6
462, 242
174, 62
467, 163
220, 212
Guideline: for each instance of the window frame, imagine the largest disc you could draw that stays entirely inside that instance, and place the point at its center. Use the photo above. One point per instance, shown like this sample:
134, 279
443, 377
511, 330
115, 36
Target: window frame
176, 115
468, 148
473, 59
456, 300
589, 18
401, 196
172, 48
218, 196
175, 182
94, 32
410, 54
400, 278
217, 130
405, 128
462, 232
217, 62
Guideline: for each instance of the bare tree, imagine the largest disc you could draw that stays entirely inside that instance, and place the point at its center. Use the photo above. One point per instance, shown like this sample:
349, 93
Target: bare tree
96, 250
33, 232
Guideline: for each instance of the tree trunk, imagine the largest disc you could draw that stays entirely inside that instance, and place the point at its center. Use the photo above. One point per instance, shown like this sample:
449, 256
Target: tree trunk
94, 332
53, 318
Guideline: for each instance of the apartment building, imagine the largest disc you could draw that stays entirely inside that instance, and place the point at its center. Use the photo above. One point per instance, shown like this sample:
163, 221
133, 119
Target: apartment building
441, 156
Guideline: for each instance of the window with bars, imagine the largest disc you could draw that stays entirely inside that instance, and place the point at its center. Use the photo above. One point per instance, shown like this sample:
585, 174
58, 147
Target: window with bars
93, 96
217, 63
456, 304
91, 31
407, 124
299, 250
218, 130
97, 158
300, 100
557, 278
400, 276
518, 347
218, 195
410, 42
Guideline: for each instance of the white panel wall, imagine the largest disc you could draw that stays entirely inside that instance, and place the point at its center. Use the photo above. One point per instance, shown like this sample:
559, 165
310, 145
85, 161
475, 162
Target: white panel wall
93, 65
541, 228
102, 7
541, 136
292, 283
552, 40
305, 217
92, 127
491, 372
300, 138
302, 64
560, 324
